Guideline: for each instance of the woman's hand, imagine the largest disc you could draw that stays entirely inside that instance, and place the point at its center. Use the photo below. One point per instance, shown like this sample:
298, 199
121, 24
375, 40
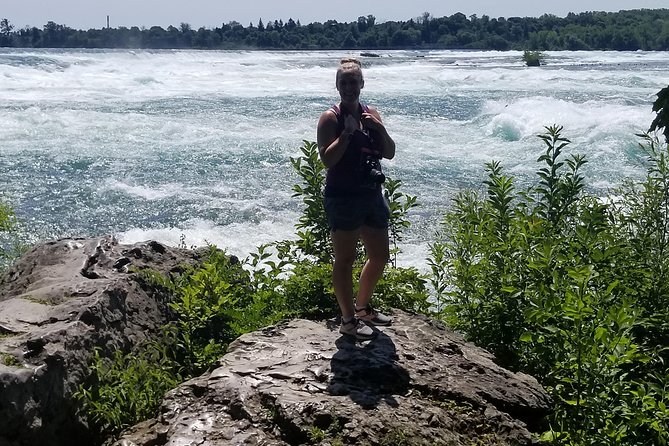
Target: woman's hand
369, 121
350, 125
372, 121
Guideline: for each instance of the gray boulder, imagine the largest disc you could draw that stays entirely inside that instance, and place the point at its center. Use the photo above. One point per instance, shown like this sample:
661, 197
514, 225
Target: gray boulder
61, 300
301, 382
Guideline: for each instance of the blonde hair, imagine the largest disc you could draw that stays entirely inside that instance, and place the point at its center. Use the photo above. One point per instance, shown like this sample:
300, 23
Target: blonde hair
349, 65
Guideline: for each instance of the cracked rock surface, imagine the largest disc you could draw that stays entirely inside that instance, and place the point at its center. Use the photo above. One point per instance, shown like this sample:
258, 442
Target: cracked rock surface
302, 382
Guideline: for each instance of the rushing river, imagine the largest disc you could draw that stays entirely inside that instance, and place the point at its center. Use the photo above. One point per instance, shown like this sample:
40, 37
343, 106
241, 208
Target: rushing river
160, 144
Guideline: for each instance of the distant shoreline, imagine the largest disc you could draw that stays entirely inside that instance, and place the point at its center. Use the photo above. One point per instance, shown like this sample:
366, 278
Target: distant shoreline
641, 29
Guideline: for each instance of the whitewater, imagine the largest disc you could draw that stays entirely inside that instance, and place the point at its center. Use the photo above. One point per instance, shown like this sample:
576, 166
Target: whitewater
195, 146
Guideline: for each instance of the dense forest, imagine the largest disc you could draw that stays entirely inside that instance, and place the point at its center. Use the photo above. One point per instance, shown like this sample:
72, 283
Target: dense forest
643, 29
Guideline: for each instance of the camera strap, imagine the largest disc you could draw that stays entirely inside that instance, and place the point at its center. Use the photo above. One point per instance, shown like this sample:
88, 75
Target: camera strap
370, 151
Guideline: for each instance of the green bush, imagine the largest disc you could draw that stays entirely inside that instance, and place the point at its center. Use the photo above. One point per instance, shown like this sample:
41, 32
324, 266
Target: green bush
661, 107
7, 224
308, 289
7, 218
399, 204
312, 227
403, 288
126, 388
207, 304
569, 288
533, 58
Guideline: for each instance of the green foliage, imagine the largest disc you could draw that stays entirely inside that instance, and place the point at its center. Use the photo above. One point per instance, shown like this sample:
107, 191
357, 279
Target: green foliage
10, 244
316, 435
558, 190
395, 437
532, 58
661, 107
126, 388
309, 290
641, 218
203, 306
7, 218
211, 305
9, 360
328, 431
400, 204
312, 228
438, 278
7, 223
403, 288
569, 288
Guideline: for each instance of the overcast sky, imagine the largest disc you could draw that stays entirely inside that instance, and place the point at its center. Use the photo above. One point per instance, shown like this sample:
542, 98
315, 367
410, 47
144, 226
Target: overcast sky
85, 14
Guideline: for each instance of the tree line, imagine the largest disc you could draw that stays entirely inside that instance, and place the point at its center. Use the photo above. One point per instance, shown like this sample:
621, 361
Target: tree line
642, 29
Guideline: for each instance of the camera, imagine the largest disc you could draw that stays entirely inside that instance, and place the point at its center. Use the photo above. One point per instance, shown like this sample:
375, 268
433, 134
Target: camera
371, 170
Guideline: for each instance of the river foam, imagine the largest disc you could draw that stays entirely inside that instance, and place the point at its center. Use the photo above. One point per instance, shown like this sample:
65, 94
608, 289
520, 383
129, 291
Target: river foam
165, 144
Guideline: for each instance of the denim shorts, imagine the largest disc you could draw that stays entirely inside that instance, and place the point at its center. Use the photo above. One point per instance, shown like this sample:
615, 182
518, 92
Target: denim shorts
349, 213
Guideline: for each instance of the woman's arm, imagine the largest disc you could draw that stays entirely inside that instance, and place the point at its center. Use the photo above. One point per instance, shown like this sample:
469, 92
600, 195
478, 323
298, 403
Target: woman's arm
331, 146
372, 120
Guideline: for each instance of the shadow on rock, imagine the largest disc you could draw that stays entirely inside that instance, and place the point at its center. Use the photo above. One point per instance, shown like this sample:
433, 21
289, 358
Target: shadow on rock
368, 372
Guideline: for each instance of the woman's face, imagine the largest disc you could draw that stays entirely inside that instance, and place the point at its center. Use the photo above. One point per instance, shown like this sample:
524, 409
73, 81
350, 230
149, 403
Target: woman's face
349, 85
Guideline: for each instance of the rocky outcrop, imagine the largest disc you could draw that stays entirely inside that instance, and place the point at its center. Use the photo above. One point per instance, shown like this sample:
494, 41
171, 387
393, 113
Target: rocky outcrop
301, 382
58, 303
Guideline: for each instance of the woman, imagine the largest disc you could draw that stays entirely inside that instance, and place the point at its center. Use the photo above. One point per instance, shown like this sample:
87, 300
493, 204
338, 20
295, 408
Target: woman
351, 140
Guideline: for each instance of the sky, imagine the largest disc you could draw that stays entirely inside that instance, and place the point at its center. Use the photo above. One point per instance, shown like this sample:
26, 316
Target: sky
85, 14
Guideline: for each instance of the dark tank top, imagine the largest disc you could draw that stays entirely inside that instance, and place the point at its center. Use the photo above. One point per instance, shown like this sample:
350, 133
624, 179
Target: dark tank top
347, 177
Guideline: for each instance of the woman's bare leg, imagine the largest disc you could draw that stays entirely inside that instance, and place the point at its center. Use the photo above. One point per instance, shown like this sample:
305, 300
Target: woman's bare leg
344, 245
378, 253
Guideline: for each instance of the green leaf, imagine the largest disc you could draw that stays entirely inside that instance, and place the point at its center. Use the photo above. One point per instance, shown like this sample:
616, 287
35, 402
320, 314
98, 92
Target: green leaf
526, 337
599, 333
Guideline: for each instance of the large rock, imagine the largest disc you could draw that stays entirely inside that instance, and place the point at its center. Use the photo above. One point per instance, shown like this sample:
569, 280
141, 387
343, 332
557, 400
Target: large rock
302, 382
296, 383
59, 302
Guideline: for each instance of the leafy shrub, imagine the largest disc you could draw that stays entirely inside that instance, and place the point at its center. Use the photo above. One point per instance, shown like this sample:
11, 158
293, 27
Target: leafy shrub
569, 288
403, 288
661, 107
126, 388
7, 218
7, 224
207, 301
532, 58
400, 204
312, 228
309, 290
